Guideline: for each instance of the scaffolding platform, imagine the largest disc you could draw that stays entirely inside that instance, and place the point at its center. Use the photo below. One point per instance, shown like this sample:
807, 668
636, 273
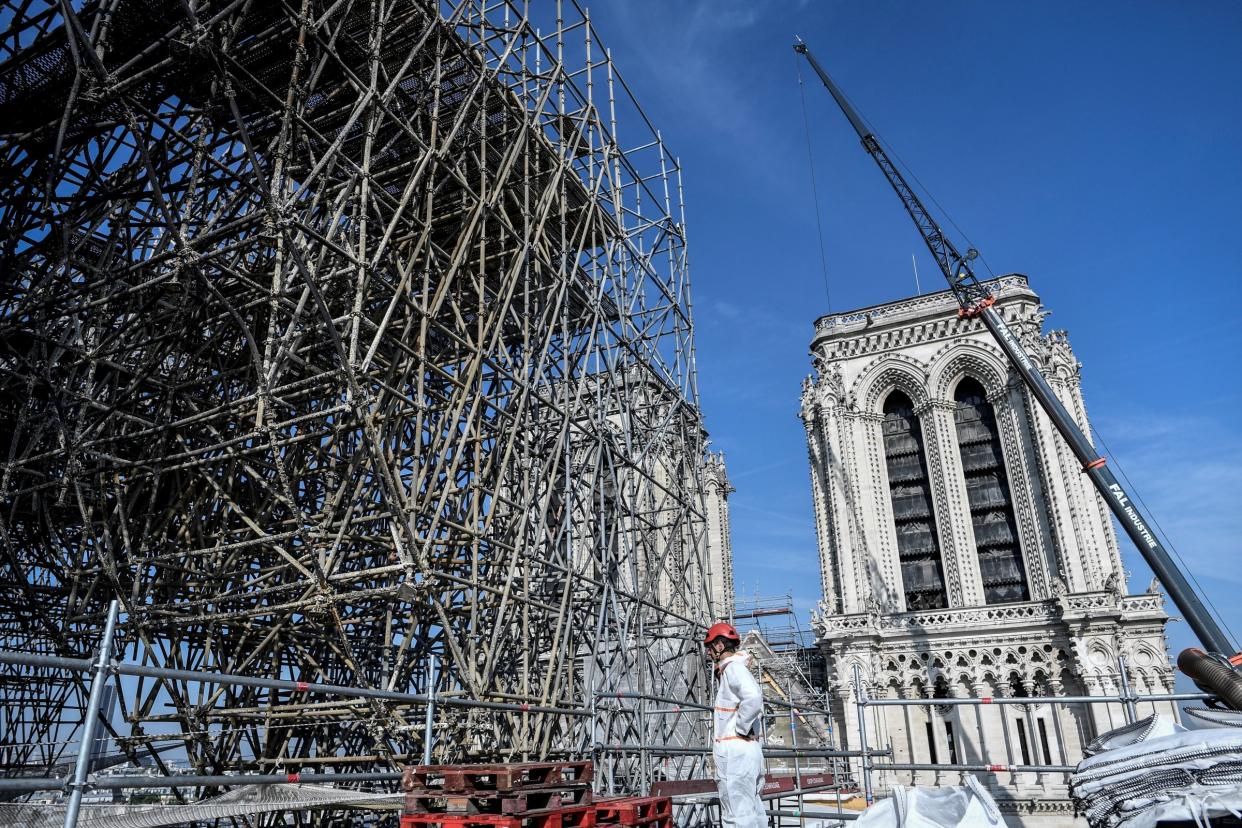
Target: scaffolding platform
517, 777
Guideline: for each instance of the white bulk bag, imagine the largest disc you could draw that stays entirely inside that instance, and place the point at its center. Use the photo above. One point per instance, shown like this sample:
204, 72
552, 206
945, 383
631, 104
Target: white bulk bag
968, 806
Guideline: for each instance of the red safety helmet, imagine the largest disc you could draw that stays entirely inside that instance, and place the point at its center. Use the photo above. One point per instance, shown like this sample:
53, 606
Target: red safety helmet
721, 630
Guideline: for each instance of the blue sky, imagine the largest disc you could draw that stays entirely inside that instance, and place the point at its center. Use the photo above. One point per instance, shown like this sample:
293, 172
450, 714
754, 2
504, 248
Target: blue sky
1091, 146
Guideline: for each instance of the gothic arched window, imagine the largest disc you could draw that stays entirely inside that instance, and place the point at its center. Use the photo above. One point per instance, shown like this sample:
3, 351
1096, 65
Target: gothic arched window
917, 547
987, 489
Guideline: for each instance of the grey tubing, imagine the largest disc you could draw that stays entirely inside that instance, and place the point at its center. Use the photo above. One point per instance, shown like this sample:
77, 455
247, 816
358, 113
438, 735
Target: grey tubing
1212, 676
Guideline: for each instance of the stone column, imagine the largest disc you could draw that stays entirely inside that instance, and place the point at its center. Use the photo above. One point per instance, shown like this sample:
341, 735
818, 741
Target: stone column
902, 737
992, 728
965, 727
1034, 533
1104, 717
963, 585
854, 567
1012, 755
849, 730
916, 725
827, 524
1031, 723
943, 754
1066, 747
1071, 392
1060, 507
880, 721
877, 569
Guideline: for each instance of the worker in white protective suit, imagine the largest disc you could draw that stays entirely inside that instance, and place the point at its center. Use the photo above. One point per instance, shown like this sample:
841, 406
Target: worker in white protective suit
737, 751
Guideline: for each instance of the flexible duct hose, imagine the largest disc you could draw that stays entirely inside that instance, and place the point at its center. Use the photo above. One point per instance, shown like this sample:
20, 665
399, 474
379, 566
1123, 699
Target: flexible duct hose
1212, 676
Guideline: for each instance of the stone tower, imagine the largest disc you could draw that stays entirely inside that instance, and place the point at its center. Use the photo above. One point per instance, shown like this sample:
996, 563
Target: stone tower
962, 551
716, 491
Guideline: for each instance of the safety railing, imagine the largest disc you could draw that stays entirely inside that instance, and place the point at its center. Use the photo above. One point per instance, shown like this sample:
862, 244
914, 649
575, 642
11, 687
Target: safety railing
103, 665
788, 802
817, 771
1127, 698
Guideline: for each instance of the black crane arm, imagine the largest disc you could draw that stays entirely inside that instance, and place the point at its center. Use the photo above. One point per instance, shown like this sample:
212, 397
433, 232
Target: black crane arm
955, 267
975, 300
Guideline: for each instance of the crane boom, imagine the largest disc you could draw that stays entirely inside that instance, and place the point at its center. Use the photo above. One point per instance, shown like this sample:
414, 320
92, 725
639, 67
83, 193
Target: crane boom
975, 300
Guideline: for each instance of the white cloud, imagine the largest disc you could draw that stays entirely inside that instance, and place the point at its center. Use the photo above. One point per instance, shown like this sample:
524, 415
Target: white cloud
1187, 470
696, 55
778, 464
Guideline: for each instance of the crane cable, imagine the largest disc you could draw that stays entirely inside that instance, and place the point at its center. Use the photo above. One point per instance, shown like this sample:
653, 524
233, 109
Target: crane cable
910, 172
892, 151
901, 162
819, 222
1115, 463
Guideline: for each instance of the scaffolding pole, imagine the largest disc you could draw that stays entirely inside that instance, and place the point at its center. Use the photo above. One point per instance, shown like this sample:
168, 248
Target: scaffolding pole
339, 335
82, 767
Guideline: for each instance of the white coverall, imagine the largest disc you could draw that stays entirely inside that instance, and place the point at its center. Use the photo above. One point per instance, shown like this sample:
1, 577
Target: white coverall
738, 754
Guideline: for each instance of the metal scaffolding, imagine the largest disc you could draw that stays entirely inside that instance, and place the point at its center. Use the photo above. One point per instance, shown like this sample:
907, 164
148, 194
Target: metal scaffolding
335, 335
791, 672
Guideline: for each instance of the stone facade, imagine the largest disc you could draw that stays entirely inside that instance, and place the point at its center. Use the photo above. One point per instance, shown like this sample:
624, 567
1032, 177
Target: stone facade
962, 551
716, 491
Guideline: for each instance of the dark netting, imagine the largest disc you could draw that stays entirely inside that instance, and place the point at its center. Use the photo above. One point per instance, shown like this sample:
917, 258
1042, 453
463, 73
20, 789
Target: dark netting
987, 489
910, 495
911, 502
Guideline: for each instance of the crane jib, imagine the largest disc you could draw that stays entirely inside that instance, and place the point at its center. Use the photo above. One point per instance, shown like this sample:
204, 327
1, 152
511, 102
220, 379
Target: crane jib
976, 301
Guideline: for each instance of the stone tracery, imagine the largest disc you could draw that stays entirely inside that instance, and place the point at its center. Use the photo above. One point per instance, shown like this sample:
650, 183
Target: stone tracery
1062, 641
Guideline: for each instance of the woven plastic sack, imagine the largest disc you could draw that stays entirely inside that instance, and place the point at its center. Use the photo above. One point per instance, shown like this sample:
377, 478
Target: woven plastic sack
968, 806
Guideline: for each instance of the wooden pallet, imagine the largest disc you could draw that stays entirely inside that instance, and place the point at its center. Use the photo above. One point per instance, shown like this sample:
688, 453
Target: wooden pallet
681, 787
497, 802
507, 777
654, 811
578, 817
817, 780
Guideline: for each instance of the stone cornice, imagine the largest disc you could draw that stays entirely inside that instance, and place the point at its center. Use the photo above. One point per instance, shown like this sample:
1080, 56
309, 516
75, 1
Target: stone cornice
955, 619
931, 405
1096, 607
918, 309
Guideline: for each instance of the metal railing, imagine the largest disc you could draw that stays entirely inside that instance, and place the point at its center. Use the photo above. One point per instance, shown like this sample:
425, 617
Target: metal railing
102, 665
788, 804
1127, 698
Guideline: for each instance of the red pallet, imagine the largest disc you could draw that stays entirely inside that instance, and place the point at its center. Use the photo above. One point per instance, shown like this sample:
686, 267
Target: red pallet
516, 776
635, 811
579, 817
681, 787
817, 780
778, 784
496, 802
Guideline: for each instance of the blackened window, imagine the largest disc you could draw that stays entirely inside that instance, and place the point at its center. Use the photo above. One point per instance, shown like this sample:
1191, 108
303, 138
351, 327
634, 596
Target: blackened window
987, 489
917, 547
1043, 741
948, 735
1026, 751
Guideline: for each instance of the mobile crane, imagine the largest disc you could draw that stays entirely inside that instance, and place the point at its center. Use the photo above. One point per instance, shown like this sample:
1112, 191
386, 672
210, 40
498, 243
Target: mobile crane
1214, 670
